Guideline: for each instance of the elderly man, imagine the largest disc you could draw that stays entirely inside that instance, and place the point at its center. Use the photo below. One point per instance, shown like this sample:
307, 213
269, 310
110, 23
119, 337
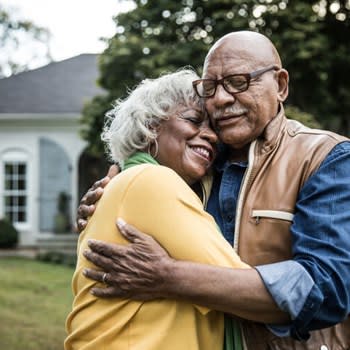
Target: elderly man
280, 194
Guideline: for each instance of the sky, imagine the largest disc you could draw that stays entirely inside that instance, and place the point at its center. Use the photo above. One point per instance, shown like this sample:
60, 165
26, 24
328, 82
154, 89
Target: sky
75, 25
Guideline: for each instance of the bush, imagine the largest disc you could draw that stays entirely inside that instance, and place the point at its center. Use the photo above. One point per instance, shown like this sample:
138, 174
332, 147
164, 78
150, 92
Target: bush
60, 258
62, 220
8, 234
307, 119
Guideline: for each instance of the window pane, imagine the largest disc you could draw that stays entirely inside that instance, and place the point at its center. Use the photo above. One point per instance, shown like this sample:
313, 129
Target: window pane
21, 169
8, 184
15, 187
9, 201
21, 201
8, 169
21, 184
9, 215
21, 216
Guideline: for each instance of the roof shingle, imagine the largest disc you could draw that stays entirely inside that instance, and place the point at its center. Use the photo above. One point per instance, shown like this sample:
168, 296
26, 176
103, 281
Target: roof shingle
59, 87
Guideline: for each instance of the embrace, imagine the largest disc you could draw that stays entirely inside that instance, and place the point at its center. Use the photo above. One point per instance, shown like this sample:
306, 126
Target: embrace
240, 217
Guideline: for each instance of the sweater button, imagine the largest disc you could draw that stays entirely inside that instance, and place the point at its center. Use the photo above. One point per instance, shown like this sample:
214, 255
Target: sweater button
324, 347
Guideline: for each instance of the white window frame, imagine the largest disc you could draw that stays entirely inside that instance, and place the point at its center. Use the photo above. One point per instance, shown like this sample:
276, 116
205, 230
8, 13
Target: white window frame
13, 157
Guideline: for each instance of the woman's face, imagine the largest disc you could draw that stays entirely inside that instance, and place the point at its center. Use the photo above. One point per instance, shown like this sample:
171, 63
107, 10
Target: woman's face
187, 144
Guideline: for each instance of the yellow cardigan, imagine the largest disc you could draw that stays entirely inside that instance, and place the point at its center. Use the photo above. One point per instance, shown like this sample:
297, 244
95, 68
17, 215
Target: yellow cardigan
157, 201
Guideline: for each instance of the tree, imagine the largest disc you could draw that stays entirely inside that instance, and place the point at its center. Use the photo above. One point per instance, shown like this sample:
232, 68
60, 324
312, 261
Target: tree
313, 37
16, 34
162, 36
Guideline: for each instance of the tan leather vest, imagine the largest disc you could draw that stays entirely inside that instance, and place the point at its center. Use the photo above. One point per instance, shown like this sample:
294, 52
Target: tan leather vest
279, 164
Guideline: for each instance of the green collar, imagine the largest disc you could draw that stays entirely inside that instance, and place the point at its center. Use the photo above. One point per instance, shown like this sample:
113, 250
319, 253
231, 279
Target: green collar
137, 159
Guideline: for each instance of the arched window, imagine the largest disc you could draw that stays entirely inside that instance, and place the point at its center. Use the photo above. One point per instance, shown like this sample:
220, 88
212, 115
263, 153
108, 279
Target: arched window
15, 186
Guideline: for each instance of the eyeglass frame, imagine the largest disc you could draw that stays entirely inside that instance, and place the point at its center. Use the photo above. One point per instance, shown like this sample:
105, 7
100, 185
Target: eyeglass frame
248, 77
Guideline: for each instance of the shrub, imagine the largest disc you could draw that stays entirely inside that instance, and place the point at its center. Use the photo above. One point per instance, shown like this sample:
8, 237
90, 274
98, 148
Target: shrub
56, 257
62, 220
307, 119
8, 234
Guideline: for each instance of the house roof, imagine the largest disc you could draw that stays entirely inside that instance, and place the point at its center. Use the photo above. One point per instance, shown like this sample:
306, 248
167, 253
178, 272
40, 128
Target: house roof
59, 87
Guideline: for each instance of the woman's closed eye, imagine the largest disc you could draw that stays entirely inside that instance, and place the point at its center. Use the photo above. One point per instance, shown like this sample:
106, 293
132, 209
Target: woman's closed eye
192, 119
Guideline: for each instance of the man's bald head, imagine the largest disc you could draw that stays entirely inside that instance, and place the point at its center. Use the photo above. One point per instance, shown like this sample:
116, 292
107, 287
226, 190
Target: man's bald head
248, 45
248, 61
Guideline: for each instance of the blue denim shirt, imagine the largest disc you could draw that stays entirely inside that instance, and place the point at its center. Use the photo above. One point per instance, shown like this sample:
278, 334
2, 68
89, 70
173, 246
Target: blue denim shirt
314, 287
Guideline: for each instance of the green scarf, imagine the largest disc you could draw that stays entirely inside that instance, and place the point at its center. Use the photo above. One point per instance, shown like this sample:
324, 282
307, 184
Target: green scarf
138, 158
232, 339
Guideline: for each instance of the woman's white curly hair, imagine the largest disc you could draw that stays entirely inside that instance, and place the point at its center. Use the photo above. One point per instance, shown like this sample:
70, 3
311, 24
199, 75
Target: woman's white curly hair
131, 125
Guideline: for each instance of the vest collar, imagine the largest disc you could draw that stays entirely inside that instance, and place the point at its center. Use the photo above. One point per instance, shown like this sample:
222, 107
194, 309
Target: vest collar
273, 130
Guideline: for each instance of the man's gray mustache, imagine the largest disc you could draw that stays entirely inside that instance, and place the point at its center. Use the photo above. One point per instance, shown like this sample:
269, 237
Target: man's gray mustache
235, 111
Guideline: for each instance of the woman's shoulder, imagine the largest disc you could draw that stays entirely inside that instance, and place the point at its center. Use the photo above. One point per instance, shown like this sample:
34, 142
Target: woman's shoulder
155, 175
147, 175
158, 181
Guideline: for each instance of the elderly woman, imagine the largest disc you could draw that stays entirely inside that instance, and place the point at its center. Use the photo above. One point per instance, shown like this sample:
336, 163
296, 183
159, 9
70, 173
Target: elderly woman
162, 140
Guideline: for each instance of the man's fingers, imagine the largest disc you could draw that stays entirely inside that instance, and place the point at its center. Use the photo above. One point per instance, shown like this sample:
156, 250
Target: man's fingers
100, 183
81, 224
99, 260
109, 250
130, 232
94, 275
92, 196
113, 171
108, 292
84, 211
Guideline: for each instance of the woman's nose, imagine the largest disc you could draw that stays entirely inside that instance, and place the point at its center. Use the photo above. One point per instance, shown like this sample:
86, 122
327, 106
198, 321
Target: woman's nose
208, 133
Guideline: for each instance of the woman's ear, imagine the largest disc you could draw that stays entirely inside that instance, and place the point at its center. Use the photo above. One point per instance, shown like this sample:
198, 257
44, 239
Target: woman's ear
155, 128
283, 84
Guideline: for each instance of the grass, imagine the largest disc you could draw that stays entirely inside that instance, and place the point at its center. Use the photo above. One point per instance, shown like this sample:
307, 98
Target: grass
35, 298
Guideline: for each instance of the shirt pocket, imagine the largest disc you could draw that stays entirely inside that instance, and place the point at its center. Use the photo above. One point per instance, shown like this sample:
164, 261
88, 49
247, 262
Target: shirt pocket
270, 235
257, 215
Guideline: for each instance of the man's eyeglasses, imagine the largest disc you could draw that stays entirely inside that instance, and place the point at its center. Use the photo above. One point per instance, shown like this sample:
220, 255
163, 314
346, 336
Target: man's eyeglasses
233, 84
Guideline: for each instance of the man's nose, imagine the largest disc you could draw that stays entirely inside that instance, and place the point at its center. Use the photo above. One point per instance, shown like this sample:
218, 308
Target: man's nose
222, 97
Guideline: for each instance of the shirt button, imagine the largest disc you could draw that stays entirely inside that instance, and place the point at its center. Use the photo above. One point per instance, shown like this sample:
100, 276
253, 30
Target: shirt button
229, 217
324, 347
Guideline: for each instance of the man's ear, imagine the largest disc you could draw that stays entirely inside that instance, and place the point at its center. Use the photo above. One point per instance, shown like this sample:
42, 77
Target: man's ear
282, 79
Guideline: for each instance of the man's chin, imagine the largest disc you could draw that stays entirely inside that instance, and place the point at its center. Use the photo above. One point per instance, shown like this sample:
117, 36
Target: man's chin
231, 139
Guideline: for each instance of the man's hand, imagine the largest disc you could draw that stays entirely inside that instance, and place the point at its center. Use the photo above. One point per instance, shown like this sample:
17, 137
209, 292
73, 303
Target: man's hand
143, 270
133, 271
87, 204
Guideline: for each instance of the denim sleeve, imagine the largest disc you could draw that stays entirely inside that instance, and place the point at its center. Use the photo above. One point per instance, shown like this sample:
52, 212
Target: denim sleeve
314, 288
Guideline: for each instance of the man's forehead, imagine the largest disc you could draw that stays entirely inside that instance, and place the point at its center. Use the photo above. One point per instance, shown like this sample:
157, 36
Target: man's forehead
239, 53
228, 62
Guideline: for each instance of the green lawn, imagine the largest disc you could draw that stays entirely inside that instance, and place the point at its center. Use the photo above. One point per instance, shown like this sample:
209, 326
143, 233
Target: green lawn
35, 298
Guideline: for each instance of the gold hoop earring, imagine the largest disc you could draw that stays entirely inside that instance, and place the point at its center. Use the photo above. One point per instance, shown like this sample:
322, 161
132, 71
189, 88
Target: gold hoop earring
155, 142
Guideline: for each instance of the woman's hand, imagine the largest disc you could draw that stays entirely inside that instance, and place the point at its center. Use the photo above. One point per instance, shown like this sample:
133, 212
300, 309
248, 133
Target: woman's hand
134, 271
87, 204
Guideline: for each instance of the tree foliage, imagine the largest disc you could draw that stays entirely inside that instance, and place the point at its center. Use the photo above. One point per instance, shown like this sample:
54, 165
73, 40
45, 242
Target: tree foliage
17, 34
158, 36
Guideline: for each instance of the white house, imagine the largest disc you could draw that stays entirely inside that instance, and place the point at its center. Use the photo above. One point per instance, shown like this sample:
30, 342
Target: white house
40, 146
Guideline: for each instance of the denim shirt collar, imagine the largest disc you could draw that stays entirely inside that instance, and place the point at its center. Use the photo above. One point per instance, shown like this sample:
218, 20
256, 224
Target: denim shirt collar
222, 162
